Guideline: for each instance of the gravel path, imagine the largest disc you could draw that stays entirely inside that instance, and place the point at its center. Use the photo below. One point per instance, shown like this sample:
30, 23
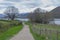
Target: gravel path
24, 34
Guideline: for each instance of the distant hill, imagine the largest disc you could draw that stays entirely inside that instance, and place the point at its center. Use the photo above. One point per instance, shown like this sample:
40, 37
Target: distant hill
23, 15
56, 12
2, 15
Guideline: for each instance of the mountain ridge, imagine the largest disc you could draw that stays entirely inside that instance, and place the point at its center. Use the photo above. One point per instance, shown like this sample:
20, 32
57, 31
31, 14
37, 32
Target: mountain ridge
56, 12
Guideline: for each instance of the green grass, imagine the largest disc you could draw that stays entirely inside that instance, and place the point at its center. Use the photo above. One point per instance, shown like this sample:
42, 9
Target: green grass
36, 36
10, 32
47, 26
7, 24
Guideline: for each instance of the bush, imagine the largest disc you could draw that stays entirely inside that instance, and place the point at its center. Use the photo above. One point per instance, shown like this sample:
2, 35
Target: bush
15, 23
5, 25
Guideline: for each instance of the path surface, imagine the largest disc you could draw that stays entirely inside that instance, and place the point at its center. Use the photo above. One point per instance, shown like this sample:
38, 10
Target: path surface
24, 34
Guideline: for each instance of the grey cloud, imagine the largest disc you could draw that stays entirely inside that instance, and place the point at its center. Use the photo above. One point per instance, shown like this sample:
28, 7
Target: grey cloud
2, 8
55, 2
7, 4
31, 4
14, 0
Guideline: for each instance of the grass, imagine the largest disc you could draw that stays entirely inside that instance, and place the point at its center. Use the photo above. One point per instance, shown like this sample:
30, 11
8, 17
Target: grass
47, 26
8, 28
36, 36
10, 32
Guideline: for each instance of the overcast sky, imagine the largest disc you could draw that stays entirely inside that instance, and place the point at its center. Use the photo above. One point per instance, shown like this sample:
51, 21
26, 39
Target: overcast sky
29, 5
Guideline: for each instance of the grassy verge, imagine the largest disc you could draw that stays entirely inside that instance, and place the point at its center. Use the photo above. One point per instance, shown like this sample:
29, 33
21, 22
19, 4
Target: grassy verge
36, 36
7, 24
47, 26
10, 32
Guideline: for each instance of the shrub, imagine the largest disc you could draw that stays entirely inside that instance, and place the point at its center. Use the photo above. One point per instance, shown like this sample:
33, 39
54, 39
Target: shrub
5, 25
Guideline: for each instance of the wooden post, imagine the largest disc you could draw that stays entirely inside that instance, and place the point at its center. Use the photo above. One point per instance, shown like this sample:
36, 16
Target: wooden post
46, 34
40, 31
50, 36
57, 35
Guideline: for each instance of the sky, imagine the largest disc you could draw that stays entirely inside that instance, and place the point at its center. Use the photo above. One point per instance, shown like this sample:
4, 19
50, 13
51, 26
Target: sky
29, 5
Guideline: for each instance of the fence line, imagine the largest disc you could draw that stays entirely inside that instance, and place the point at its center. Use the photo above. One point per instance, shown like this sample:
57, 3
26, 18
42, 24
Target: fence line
48, 33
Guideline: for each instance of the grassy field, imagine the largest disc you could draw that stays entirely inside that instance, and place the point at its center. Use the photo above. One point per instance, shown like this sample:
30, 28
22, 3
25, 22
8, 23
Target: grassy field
10, 32
9, 28
52, 35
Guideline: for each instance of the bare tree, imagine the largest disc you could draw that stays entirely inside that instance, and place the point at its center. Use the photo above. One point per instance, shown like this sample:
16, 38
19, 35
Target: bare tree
11, 12
40, 16
35, 16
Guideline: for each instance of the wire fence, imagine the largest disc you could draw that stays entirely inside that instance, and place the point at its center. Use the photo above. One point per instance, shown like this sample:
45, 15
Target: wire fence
49, 34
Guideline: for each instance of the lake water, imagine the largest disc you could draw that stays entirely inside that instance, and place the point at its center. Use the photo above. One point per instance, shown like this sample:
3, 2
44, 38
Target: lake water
21, 19
56, 21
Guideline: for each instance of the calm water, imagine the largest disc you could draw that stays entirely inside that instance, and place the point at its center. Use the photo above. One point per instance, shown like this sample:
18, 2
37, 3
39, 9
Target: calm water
56, 21
21, 19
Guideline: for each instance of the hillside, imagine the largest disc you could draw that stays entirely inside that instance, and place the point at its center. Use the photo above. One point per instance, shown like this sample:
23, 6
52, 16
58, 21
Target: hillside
56, 12
22, 15
2, 15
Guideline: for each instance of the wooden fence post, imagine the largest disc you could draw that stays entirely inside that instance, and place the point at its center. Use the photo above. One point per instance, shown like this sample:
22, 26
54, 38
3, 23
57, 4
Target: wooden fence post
40, 31
46, 34
57, 35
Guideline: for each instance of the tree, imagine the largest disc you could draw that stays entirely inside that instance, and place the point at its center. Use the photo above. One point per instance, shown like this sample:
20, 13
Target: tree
36, 16
40, 16
11, 12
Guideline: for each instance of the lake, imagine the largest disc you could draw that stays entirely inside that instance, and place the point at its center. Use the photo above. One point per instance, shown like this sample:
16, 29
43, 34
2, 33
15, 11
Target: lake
56, 21
21, 19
